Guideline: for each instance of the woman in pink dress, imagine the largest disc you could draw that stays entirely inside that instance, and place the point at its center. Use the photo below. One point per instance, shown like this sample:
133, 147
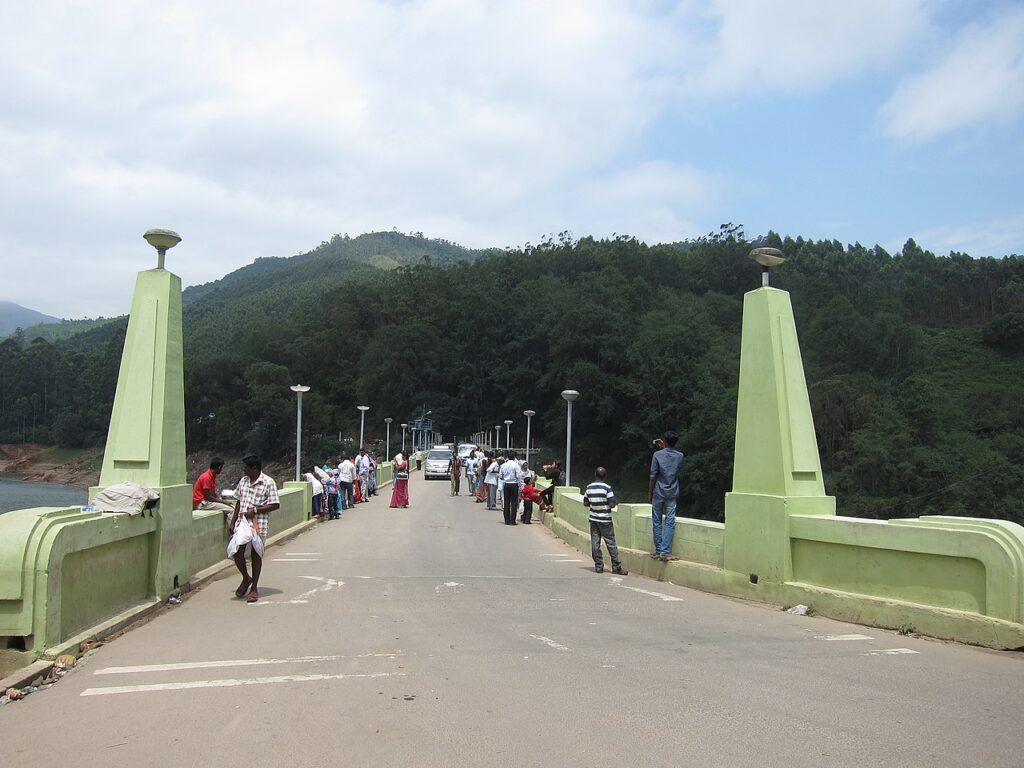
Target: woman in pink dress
400, 483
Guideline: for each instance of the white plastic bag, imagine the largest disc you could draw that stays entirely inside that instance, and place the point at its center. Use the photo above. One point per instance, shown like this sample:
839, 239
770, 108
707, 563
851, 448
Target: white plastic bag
245, 534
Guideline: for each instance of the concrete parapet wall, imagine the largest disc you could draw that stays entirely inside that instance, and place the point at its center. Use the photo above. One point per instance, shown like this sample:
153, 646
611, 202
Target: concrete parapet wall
954, 578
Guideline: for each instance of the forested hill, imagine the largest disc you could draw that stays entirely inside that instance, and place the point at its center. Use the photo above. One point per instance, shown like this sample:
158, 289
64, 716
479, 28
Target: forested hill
913, 361
334, 258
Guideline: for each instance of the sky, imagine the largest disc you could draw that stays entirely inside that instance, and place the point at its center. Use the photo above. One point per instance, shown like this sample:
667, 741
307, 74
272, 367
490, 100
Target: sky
257, 128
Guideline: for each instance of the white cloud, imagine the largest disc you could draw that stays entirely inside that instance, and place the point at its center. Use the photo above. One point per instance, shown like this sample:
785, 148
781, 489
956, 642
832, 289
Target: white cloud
800, 45
978, 80
996, 237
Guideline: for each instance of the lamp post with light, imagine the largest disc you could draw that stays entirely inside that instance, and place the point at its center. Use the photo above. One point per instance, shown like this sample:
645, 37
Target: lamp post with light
529, 417
362, 423
569, 395
404, 426
508, 434
298, 389
387, 440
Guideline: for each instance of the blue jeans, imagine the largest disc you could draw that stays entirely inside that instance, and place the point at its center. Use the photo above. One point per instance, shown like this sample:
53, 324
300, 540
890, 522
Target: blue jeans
663, 533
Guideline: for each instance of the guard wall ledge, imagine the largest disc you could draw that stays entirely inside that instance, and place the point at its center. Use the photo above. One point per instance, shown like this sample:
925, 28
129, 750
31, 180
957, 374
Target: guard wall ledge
949, 563
929, 620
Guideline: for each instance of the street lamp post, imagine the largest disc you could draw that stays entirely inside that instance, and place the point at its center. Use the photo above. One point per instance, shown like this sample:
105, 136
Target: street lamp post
529, 417
569, 395
497, 437
387, 440
508, 434
362, 423
403, 437
298, 389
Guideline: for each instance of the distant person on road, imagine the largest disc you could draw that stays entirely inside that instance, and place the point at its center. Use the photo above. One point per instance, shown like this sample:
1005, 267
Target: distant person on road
400, 482
363, 471
510, 478
331, 486
491, 481
318, 492
471, 464
255, 498
205, 494
455, 470
600, 498
346, 482
663, 493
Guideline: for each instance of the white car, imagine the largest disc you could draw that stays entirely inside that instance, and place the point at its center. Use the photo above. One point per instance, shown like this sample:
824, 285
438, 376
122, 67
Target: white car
437, 463
465, 449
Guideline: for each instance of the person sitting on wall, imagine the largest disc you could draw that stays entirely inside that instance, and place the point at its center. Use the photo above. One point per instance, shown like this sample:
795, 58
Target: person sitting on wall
205, 494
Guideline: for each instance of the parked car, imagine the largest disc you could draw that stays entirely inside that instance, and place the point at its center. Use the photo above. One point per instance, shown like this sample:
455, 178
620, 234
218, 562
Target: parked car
437, 463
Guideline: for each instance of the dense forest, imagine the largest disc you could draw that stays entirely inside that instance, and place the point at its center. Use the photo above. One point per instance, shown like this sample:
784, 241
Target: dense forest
914, 362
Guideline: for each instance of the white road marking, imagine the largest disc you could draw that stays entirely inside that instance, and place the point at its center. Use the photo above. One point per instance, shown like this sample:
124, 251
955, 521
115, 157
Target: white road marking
890, 652
302, 599
232, 663
302, 554
452, 586
659, 595
296, 560
549, 641
842, 637
229, 683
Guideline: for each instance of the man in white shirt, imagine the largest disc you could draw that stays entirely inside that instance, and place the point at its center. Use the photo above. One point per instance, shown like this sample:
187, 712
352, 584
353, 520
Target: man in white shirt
363, 471
346, 482
510, 478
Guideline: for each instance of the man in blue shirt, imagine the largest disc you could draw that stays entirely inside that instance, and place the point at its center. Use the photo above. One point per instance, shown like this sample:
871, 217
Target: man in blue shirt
663, 493
600, 499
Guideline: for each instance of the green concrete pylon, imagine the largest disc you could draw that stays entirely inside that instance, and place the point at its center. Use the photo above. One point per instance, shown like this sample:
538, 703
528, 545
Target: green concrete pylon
146, 438
776, 466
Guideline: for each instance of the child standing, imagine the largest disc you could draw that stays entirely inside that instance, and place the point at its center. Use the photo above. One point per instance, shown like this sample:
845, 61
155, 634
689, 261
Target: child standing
600, 498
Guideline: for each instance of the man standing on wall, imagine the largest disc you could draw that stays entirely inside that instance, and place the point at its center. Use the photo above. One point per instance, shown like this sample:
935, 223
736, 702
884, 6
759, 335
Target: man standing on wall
255, 498
205, 494
663, 493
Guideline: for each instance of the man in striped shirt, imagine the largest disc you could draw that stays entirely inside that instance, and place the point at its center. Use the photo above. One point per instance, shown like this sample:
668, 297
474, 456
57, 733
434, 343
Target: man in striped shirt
600, 498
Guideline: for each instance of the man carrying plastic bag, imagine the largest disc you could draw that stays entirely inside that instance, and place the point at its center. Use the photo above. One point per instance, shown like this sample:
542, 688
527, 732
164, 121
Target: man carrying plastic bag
256, 497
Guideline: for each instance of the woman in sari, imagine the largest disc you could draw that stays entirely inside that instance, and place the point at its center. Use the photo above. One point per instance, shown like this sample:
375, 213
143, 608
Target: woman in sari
400, 482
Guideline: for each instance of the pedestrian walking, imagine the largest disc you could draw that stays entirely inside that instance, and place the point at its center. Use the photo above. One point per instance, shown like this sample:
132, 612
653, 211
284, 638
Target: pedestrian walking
455, 471
491, 481
256, 497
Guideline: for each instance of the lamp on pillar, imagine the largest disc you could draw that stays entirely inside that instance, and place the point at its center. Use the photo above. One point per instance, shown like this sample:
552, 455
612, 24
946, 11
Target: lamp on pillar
387, 441
570, 396
529, 417
298, 389
403, 436
161, 239
767, 258
508, 434
497, 437
362, 422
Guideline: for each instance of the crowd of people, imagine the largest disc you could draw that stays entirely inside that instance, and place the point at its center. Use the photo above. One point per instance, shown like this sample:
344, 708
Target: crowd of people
492, 478
502, 479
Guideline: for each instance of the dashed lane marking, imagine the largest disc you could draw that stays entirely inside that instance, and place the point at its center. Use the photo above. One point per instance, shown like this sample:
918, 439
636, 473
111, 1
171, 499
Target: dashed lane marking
842, 637
229, 683
890, 652
659, 595
548, 641
234, 663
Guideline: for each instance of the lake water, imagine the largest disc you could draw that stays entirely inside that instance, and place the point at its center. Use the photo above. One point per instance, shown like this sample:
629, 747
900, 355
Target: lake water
17, 494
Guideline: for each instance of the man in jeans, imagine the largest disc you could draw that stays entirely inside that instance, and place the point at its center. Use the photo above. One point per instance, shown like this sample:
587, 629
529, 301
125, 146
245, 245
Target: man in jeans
663, 492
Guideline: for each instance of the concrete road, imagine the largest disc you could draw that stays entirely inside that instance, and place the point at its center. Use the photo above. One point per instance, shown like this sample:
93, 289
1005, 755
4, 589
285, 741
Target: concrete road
436, 636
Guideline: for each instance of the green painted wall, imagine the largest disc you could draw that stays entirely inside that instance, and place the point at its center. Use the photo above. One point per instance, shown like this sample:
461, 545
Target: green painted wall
103, 581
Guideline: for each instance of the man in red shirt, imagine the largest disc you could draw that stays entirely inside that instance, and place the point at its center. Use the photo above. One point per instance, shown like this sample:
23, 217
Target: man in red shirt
205, 494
